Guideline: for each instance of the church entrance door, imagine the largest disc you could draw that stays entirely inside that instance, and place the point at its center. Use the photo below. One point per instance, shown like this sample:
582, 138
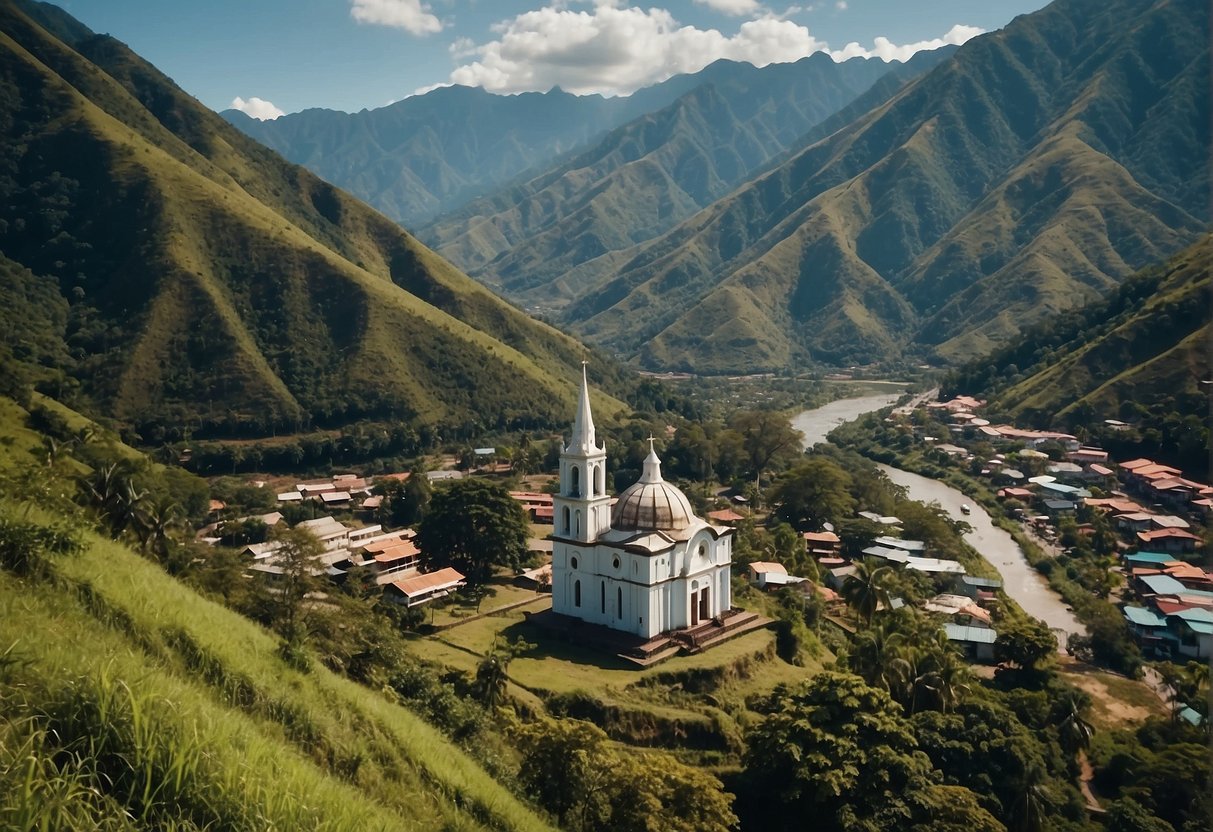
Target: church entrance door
705, 606
694, 608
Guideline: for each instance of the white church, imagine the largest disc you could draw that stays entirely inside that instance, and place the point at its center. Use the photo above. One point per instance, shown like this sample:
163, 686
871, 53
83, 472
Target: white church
647, 566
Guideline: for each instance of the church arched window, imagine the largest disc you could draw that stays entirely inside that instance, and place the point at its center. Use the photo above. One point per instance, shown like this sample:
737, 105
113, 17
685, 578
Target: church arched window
600, 479
566, 519
602, 593
576, 593
575, 481
573, 562
577, 523
619, 602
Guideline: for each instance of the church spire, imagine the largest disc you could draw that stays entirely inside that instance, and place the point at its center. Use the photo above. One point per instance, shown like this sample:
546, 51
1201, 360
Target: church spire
652, 465
583, 424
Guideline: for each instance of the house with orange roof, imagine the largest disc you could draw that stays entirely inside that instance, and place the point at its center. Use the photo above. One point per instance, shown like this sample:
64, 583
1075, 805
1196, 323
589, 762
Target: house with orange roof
422, 589
1169, 540
822, 544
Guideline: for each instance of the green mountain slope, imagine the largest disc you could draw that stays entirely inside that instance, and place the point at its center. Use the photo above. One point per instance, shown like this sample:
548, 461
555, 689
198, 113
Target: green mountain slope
129, 701
647, 175
1139, 355
209, 282
1032, 171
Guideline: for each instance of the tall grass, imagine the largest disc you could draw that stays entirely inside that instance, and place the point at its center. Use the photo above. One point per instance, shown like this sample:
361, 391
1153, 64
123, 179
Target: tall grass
160, 707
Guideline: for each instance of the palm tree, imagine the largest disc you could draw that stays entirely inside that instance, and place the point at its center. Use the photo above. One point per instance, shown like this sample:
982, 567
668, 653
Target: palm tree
874, 657
156, 522
865, 590
948, 682
1073, 731
491, 679
1033, 802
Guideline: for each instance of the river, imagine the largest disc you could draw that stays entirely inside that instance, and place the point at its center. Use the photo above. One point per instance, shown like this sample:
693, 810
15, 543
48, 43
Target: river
816, 423
1020, 581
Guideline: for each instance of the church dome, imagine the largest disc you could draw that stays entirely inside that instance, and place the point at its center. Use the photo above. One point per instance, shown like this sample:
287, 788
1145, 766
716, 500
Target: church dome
652, 504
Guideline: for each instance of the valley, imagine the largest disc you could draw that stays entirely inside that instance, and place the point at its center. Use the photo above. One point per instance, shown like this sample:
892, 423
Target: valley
769, 429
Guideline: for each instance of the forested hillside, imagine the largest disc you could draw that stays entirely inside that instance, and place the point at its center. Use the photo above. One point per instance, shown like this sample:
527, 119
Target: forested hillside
1140, 356
1021, 177
168, 271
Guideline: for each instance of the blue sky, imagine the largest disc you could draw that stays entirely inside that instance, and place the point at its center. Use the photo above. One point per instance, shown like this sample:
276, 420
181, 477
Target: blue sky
289, 55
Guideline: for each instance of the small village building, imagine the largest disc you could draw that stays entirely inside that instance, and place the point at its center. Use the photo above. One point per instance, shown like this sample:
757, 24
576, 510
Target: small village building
837, 577
960, 608
725, 517
422, 589
1169, 540
978, 589
977, 643
328, 531
538, 579
1192, 632
822, 544
767, 575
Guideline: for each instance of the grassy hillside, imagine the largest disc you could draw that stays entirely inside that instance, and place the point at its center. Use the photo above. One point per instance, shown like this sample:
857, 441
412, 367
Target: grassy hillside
1032, 171
1138, 356
209, 282
128, 701
645, 176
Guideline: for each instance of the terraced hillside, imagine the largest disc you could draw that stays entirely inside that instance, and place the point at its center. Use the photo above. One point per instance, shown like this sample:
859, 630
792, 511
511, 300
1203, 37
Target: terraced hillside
199, 279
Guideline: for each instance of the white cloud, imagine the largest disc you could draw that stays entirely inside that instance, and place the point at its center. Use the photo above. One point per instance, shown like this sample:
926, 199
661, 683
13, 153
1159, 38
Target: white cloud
463, 47
615, 50
841, 5
733, 7
258, 108
411, 15
882, 47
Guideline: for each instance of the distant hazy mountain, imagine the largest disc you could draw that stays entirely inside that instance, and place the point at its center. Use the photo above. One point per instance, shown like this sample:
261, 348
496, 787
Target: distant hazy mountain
649, 174
1029, 173
181, 274
429, 154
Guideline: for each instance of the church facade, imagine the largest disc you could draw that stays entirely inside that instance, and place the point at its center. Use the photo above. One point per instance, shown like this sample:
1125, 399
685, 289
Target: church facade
646, 566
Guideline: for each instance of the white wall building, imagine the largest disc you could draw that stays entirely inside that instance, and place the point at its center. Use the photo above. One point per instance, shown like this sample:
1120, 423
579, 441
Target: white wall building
648, 566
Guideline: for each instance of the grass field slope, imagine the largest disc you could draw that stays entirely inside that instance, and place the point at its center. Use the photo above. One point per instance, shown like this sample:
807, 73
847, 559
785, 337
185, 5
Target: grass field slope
195, 277
130, 702
1031, 172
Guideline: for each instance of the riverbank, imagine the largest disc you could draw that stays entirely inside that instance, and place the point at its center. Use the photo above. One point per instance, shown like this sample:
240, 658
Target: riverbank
1106, 639
996, 544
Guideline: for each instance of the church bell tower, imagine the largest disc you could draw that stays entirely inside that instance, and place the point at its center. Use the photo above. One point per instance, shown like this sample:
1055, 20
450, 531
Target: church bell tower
582, 509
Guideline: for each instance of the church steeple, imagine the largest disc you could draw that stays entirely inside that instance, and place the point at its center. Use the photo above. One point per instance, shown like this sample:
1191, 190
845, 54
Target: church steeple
582, 508
583, 423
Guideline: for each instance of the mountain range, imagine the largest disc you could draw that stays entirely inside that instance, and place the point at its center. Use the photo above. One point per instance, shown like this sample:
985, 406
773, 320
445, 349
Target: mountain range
649, 174
1029, 173
174, 272
855, 213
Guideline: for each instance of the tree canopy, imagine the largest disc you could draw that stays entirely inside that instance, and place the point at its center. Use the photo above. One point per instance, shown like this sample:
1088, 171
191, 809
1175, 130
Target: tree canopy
839, 751
816, 491
473, 525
